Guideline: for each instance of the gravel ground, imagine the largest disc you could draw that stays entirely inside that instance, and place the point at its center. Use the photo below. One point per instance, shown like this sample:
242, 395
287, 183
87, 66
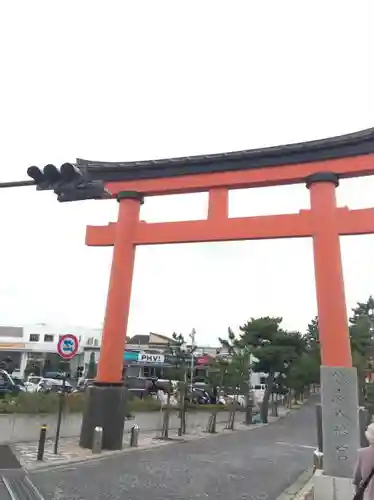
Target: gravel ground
257, 465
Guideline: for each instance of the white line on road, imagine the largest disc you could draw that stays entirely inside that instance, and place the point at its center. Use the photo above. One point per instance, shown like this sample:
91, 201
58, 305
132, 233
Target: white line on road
295, 445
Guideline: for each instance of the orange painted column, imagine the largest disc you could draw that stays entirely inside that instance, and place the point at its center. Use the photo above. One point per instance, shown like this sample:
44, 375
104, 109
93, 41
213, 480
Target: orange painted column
218, 207
332, 311
119, 294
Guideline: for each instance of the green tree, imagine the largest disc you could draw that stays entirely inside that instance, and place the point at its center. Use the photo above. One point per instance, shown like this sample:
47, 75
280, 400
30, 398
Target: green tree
179, 357
274, 348
218, 371
303, 372
362, 348
362, 342
92, 367
363, 310
312, 356
236, 369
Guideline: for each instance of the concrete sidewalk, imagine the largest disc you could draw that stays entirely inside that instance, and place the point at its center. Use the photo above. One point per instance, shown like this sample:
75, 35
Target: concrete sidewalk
69, 451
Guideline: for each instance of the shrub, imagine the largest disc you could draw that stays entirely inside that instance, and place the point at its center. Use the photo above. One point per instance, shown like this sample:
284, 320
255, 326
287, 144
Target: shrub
29, 403
74, 403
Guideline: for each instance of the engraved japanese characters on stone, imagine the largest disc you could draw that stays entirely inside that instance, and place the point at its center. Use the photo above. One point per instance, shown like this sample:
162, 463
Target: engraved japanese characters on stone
340, 430
342, 450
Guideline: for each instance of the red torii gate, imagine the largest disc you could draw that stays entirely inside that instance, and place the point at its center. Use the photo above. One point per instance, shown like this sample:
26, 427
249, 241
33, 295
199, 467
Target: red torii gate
318, 164
219, 227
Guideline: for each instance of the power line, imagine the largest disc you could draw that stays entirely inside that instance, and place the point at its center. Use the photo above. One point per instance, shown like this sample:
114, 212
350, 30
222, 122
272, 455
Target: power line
17, 184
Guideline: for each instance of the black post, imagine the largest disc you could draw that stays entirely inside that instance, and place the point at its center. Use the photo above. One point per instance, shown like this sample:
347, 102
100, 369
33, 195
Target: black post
165, 423
41, 444
248, 407
319, 427
59, 414
182, 409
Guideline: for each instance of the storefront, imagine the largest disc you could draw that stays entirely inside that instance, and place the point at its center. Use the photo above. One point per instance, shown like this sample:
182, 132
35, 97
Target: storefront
146, 364
155, 364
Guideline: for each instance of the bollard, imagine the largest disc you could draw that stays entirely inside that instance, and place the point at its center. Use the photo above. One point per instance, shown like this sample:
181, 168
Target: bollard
134, 435
97, 440
41, 444
317, 460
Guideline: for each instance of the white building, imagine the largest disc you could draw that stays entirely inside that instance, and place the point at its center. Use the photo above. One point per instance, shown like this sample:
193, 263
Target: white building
37, 343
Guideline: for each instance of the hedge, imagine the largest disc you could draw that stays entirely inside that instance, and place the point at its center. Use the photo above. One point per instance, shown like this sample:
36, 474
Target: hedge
48, 403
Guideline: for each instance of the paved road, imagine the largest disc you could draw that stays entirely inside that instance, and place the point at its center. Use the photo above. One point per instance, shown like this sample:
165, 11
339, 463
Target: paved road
255, 465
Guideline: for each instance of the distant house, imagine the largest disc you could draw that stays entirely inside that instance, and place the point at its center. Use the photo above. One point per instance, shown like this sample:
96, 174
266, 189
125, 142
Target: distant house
150, 341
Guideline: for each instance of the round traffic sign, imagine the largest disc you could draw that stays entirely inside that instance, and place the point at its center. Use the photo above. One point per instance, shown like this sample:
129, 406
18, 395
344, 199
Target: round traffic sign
67, 346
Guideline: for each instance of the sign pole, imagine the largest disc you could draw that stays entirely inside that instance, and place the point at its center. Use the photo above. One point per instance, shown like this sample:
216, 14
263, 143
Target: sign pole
61, 401
67, 348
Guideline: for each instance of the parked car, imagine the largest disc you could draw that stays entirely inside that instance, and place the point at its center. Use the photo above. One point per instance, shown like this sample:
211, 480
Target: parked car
16, 373
139, 386
32, 383
198, 396
47, 385
58, 375
8, 386
83, 384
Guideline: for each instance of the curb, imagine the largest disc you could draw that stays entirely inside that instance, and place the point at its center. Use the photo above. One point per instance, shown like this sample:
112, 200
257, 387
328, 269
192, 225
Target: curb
155, 444
302, 485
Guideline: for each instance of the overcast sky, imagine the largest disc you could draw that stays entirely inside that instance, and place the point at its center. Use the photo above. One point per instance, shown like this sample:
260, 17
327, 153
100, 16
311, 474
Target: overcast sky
125, 80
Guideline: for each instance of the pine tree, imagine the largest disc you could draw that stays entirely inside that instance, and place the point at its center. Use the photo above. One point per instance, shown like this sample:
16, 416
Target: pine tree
274, 349
361, 332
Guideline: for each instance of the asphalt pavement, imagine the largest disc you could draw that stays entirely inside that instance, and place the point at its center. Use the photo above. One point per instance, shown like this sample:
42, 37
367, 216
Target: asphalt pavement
256, 465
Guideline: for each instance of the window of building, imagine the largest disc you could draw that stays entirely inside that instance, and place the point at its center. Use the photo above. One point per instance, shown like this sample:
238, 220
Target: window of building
90, 341
48, 338
34, 337
96, 342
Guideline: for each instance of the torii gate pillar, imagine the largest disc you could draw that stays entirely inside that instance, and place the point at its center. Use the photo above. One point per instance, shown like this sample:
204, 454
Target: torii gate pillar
106, 400
339, 393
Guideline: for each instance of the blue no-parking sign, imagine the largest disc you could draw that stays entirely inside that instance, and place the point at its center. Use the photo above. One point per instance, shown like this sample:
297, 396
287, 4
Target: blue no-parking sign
67, 346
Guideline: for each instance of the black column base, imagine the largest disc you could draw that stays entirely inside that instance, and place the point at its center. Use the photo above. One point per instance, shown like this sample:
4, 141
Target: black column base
105, 407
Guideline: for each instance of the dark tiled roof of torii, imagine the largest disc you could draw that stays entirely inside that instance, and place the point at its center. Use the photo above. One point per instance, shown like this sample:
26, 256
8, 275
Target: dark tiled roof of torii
358, 143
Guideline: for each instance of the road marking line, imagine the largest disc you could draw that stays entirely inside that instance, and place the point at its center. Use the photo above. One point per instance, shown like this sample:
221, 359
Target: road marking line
296, 445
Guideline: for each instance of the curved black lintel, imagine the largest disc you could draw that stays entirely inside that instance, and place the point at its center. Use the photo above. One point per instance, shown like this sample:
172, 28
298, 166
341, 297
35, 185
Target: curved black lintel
356, 144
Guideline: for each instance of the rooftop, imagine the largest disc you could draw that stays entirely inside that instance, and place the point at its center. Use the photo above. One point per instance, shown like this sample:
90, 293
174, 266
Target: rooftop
348, 145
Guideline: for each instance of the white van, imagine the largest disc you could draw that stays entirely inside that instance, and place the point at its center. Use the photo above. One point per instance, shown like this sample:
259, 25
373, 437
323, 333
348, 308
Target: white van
259, 392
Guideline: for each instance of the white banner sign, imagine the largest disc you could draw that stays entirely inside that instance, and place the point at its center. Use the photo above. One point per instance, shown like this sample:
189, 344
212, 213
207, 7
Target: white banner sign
150, 358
